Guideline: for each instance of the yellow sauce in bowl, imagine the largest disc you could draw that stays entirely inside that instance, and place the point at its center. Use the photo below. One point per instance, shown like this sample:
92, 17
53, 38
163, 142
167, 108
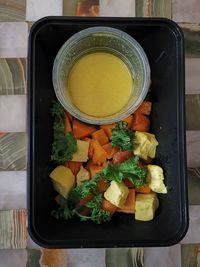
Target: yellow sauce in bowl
99, 84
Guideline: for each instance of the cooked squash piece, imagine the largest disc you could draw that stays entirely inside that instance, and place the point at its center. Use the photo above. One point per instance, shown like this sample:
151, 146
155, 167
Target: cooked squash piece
117, 193
108, 128
140, 123
74, 166
144, 108
99, 154
82, 130
63, 180
129, 120
129, 205
108, 206
82, 175
156, 179
145, 145
81, 155
67, 124
145, 206
100, 136
110, 150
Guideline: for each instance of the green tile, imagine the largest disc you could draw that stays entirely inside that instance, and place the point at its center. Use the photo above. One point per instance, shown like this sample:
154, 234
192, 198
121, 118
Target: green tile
12, 229
192, 39
193, 112
153, 8
13, 151
69, 7
126, 257
190, 255
12, 76
33, 258
12, 10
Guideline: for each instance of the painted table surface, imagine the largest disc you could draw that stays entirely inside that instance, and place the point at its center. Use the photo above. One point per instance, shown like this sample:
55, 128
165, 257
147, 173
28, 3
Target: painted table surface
16, 247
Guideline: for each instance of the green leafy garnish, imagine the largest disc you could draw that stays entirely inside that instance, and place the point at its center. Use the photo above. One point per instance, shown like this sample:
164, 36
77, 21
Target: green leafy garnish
86, 188
113, 172
97, 214
128, 169
64, 146
63, 211
122, 137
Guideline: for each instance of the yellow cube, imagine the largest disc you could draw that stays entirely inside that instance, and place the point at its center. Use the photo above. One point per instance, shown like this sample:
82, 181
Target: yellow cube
145, 206
156, 179
63, 180
81, 155
145, 145
117, 193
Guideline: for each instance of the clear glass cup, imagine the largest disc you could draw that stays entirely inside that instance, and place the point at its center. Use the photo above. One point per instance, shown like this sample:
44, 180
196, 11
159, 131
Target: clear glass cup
102, 39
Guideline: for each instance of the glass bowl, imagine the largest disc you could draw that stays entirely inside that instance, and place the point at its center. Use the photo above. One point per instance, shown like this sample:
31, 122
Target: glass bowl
102, 39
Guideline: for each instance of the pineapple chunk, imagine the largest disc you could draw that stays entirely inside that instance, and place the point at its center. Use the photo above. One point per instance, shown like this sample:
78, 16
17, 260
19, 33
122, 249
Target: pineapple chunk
81, 155
63, 180
145, 206
145, 145
156, 179
117, 194
82, 176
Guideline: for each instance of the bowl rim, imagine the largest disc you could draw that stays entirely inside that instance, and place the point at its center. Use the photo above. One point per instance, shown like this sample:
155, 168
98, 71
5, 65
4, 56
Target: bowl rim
141, 55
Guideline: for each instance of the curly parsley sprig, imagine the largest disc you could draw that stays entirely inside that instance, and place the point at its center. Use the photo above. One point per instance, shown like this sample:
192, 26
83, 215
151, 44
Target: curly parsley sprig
64, 146
122, 136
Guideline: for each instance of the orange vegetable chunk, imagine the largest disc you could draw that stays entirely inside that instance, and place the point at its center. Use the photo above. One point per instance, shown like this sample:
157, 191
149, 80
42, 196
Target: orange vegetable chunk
121, 156
82, 130
143, 189
129, 206
141, 123
106, 205
107, 128
144, 108
99, 155
74, 166
85, 200
94, 169
67, 124
110, 150
128, 183
129, 120
102, 185
100, 136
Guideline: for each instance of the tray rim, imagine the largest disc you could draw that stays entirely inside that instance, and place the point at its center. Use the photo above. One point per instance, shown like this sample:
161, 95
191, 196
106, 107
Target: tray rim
37, 26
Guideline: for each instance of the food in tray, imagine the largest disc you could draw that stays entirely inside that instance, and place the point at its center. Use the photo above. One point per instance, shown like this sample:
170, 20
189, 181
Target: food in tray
107, 169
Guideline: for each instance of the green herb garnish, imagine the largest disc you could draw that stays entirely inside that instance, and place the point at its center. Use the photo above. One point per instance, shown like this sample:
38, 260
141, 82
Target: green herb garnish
128, 169
122, 137
97, 214
114, 172
64, 146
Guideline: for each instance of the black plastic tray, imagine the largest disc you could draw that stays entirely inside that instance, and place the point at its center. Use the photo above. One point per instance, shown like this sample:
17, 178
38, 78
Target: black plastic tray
162, 41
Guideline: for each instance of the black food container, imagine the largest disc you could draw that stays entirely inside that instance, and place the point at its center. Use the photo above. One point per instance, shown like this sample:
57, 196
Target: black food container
162, 40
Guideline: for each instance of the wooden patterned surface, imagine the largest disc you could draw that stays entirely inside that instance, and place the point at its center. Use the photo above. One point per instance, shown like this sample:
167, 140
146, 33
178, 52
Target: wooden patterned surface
12, 76
14, 10
153, 8
13, 229
192, 39
190, 255
12, 151
129, 257
193, 112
